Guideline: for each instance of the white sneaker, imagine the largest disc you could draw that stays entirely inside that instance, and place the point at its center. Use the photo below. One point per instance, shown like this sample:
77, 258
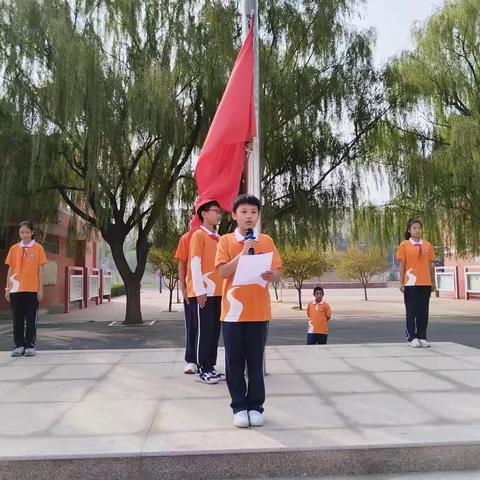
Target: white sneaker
221, 376
17, 352
30, 352
255, 418
206, 378
240, 419
190, 368
415, 343
424, 343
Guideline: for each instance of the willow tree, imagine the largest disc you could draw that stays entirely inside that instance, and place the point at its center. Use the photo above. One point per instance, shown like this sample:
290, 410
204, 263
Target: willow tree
320, 97
113, 96
430, 142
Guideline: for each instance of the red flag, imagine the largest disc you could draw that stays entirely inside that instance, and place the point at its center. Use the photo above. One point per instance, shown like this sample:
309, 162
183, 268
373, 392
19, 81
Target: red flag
220, 164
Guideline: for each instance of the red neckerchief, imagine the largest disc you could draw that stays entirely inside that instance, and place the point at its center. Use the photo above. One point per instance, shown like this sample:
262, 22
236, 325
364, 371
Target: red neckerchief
419, 247
24, 253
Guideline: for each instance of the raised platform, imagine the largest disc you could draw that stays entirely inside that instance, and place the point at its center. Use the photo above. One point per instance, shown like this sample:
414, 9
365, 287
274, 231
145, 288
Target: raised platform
337, 409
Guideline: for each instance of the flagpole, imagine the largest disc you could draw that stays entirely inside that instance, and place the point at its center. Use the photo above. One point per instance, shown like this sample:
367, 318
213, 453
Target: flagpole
253, 170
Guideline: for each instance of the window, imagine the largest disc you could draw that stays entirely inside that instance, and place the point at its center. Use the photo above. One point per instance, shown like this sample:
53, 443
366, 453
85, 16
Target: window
51, 244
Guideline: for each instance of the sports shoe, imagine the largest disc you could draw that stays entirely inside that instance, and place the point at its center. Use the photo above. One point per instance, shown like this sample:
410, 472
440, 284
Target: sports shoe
17, 352
221, 376
255, 418
415, 343
206, 377
190, 368
240, 419
424, 343
30, 352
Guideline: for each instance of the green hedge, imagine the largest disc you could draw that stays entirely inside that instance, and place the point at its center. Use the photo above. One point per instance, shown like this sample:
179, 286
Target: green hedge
118, 289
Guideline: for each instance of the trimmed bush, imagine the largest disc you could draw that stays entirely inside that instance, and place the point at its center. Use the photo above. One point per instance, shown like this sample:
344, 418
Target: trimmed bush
118, 289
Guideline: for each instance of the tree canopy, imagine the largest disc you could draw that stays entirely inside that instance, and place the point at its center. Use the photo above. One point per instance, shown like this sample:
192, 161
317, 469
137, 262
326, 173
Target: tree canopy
429, 143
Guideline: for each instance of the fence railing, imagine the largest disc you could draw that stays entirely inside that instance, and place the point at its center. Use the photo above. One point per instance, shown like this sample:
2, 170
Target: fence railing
84, 284
446, 279
472, 281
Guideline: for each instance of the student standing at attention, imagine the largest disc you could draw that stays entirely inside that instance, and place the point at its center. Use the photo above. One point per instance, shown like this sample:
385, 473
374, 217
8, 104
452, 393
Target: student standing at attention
204, 289
181, 255
416, 282
318, 313
24, 289
245, 313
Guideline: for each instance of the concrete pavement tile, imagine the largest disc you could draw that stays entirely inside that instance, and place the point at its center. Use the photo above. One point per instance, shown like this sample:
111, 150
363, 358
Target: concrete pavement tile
283, 413
411, 381
82, 358
24, 372
153, 356
380, 409
472, 360
345, 383
290, 352
403, 350
48, 446
278, 384
52, 391
136, 381
22, 421
470, 378
381, 364
107, 417
280, 366
451, 349
253, 439
454, 406
198, 415
320, 365
7, 387
418, 434
185, 387
440, 363
76, 372
346, 351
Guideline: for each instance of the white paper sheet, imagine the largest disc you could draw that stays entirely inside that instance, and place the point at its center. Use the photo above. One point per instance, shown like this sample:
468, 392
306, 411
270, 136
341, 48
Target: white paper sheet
250, 267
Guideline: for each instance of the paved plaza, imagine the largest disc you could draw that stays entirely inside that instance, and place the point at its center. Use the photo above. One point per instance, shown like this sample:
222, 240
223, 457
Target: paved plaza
336, 409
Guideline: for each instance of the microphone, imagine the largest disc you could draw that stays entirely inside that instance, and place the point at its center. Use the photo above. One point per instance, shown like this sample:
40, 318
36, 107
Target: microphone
250, 236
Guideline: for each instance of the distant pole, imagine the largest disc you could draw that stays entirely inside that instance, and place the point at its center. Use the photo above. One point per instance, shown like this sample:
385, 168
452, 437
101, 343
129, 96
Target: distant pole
253, 170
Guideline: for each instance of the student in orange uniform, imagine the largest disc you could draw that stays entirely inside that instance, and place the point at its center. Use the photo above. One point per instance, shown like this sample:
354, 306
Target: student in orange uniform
24, 289
245, 313
318, 313
190, 326
204, 290
416, 282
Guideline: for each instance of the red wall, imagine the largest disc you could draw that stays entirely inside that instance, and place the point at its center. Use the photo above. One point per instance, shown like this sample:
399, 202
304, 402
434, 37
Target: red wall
461, 263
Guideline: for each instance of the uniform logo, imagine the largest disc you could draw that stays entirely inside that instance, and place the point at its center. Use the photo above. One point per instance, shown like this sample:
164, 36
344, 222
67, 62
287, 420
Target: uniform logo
32, 255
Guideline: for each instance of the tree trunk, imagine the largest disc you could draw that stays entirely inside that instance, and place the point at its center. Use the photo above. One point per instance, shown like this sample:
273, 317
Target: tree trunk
133, 312
170, 299
178, 293
365, 290
116, 238
299, 290
275, 288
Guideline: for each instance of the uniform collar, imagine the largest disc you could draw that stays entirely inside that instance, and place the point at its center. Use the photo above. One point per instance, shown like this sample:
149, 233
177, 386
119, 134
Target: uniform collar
214, 234
27, 245
239, 237
413, 242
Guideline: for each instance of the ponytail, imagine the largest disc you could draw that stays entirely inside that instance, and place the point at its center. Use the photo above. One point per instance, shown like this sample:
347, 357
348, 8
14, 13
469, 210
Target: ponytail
411, 222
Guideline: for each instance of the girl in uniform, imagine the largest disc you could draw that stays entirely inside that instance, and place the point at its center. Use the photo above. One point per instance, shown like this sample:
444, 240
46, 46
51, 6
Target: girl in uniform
24, 288
416, 282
